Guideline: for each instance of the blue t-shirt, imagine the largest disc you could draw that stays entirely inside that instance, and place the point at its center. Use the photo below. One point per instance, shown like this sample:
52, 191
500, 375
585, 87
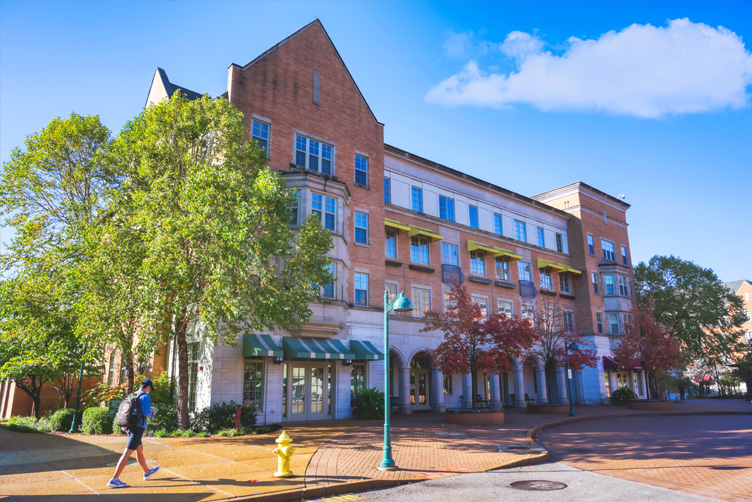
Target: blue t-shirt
146, 410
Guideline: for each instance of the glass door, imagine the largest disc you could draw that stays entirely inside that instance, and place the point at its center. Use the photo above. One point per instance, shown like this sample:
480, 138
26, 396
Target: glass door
310, 391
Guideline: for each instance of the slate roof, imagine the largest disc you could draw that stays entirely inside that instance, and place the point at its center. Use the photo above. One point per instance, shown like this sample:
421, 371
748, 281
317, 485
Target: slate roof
735, 285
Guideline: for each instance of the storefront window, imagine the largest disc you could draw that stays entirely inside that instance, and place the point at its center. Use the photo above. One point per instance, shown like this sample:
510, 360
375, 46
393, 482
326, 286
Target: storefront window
253, 387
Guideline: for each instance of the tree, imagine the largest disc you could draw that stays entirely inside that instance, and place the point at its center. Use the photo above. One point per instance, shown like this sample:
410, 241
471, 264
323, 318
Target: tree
554, 332
649, 345
471, 344
49, 191
693, 305
220, 257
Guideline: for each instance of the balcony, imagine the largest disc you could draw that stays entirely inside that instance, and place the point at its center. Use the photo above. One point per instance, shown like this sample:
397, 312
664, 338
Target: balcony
527, 289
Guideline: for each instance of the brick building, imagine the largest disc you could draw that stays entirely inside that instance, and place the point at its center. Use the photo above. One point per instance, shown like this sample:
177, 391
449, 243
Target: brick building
402, 222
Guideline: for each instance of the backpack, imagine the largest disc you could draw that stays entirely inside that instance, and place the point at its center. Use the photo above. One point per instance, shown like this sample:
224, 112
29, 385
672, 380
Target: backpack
129, 412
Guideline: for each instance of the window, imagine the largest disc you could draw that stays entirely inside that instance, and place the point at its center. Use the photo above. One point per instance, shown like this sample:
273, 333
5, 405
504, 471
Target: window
520, 231
599, 322
192, 374
502, 269
559, 243
565, 285
627, 321
746, 315
421, 301
478, 263
391, 289
608, 281
450, 255
623, 286
417, 199
387, 191
325, 208
748, 337
448, 302
361, 289
123, 369
391, 244
313, 155
614, 322
528, 312
446, 208
590, 245
497, 224
361, 228
623, 255
111, 372
568, 318
328, 289
594, 277
447, 385
483, 304
473, 216
357, 381
253, 383
609, 252
526, 272
549, 319
505, 307
541, 237
295, 209
419, 249
260, 132
361, 170
545, 279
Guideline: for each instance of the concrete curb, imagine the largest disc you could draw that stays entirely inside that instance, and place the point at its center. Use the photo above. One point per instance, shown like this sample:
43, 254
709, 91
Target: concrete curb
325, 491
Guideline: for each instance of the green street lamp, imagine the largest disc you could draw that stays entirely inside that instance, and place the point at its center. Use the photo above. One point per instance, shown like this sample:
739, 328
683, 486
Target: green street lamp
567, 348
399, 304
74, 425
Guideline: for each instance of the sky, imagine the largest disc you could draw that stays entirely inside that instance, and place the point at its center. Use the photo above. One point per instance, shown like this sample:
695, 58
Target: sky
650, 100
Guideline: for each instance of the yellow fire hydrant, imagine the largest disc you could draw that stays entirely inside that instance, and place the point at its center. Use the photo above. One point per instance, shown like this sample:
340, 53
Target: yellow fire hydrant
284, 454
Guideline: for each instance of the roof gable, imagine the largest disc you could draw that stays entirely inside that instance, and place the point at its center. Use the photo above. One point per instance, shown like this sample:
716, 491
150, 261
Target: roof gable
313, 23
162, 88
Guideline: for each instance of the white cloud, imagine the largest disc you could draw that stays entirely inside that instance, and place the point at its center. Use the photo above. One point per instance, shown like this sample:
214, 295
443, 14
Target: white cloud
643, 71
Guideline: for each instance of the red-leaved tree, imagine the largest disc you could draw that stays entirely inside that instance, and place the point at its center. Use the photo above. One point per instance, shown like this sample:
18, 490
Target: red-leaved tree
645, 343
472, 344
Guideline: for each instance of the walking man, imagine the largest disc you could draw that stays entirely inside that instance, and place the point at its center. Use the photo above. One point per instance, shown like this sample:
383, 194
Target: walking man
134, 439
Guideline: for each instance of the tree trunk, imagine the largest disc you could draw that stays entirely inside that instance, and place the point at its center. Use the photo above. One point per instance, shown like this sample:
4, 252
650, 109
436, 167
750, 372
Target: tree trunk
30, 386
182, 343
64, 387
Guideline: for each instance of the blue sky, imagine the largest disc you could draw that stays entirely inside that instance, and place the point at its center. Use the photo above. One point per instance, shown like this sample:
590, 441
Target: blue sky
646, 99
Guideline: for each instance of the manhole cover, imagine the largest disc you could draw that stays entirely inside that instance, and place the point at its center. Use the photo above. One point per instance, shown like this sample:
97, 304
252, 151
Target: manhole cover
538, 485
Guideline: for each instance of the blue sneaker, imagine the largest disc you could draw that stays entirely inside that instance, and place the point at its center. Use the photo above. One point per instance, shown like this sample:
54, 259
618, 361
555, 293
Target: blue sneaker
151, 472
116, 483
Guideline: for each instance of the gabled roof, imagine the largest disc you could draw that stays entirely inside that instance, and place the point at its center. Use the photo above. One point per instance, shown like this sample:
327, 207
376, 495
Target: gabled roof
315, 22
735, 285
160, 77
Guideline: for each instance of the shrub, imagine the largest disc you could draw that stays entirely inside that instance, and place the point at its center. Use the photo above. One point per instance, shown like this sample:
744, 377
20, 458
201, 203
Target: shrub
622, 395
116, 429
61, 420
228, 433
25, 424
369, 405
202, 434
177, 433
166, 418
163, 387
221, 416
188, 433
160, 433
96, 421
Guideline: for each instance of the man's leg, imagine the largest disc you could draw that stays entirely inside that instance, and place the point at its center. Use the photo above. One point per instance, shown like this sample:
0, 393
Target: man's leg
141, 458
123, 462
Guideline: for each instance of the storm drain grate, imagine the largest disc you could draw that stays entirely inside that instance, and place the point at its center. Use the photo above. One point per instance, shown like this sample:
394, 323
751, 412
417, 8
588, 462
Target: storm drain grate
538, 485
517, 448
451, 434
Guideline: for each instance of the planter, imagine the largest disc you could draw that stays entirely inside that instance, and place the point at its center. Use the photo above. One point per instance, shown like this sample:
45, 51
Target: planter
650, 404
476, 417
548, 409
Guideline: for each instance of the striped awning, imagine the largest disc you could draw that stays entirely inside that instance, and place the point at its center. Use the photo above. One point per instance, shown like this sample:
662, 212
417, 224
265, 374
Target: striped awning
260, 346
314, 348
364, 350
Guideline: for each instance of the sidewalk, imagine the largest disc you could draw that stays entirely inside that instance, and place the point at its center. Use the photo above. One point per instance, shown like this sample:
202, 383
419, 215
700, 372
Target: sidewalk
331, 457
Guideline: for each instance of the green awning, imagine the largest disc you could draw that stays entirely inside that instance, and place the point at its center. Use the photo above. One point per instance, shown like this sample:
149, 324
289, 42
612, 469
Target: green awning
260, 346
314, 348
365, 350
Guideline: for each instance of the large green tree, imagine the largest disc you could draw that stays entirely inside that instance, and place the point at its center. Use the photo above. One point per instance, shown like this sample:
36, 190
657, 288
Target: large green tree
220, 257
693, 305
49, 191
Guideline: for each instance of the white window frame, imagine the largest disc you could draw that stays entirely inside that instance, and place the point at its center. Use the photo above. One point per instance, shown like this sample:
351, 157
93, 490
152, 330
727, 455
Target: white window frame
611, 318
599, 323
498, 224
391, 235
448, 212
546, 281
420, 249
325, 151
482, 301
591, 245
478, 263
454, 253
413, 192
358, 279
520, 230
359, 169
325, 210
332, 268
596, 284
624, 260
359, 220
421, 298
525, 270
567, 317
502, 305
260, 401
565, 283
541, 236
257, 135
609, 250
473, 217
502, 266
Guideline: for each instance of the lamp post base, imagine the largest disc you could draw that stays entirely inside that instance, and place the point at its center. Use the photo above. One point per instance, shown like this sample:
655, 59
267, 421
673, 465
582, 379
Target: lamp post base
388, 468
